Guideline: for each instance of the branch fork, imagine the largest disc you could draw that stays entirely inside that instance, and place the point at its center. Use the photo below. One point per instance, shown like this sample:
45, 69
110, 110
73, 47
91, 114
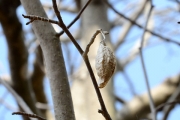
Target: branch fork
84, 55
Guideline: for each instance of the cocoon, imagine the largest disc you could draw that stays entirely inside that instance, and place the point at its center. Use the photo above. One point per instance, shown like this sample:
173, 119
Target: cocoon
105, 64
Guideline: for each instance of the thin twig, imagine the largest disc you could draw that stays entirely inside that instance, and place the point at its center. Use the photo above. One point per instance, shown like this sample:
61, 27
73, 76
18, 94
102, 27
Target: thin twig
93, 38
127, 26
76, 18
172, 98
28, 115
129, 82
140, 26
148, 17
6, 104
103, 110
152, 106
167, 103
56, 10
119, 99
91, 42
61, 24
19, 100
33, 17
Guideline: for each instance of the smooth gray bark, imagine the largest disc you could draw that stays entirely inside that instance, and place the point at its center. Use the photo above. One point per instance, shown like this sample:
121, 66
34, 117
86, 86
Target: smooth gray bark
54, 62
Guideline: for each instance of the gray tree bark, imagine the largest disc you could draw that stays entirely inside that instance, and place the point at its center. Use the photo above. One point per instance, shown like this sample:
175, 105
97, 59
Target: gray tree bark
54, 62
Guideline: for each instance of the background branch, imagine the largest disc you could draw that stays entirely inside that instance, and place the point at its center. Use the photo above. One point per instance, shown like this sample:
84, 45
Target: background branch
153, 33
152, 106
20, 101
139, 105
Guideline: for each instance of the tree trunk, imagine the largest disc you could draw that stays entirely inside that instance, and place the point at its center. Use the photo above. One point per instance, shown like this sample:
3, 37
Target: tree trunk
17, 51
54, 62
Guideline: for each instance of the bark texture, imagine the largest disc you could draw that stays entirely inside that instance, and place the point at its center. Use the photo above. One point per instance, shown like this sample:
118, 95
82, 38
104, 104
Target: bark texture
54, 62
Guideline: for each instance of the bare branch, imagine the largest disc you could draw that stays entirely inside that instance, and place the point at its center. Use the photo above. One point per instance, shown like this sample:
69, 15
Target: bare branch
77, 17
54, 60
62, 25
33, 17
28, 115
17, 52
139, 105
127, 26
6, 104
86, 60
135, 23
76, 35
120, 99
17, 97
166, 104
129, 82
152, 106
174, 98
91, 42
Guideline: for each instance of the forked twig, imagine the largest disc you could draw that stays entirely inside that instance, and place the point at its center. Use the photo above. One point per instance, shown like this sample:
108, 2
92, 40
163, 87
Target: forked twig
93, 38
28, 115
138, 25
61, 24
76, 18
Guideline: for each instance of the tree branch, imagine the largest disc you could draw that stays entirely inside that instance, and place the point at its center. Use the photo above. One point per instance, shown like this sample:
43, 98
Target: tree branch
54, 62
139, 105
174, 98
19, 100
28, 115
17, 51
127, 26
77, 17
135, 23
152, 106
61, 24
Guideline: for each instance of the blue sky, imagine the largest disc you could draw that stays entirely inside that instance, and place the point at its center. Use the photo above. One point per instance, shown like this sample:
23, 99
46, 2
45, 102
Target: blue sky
161, 60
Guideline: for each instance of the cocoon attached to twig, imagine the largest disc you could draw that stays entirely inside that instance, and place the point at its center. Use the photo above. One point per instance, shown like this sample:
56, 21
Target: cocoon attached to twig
105, 64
